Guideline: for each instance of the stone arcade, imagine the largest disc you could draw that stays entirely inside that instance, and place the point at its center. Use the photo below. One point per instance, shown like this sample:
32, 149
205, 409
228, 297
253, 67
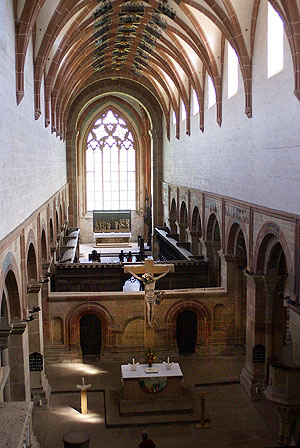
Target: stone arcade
186, 114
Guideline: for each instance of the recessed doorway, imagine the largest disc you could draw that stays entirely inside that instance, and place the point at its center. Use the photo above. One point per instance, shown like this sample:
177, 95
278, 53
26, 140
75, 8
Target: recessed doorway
186, 332
90, 335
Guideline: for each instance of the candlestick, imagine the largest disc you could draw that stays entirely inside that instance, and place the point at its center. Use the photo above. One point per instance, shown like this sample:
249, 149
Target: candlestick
83, 395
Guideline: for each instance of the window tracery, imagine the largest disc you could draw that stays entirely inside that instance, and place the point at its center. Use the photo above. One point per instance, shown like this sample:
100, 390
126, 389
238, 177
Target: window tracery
110, 165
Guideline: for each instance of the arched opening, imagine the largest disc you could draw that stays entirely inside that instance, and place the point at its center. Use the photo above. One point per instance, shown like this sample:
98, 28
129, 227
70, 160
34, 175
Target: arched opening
44, 246
186, 332
236, 246
51, 232
60, 216
4, 317
13, 297
183, 223
213, 245
271, 262
4, 356
12, 354
173, 217
56, 223
196, 232
90, 335
57, 331
31, 264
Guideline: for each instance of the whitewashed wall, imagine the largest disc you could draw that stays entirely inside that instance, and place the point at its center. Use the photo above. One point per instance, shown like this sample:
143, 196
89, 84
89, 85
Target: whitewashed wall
32, 160
255, 160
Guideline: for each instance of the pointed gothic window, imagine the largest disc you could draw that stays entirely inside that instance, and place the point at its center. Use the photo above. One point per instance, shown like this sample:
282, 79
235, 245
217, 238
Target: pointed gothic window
275, 42
233, 71
110, 165
211, 93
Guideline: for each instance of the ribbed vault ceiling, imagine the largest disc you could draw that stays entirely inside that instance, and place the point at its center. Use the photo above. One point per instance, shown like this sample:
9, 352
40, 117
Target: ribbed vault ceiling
167, 46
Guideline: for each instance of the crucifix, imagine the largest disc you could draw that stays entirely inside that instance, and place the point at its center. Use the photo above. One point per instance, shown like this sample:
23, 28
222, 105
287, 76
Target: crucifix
148, 278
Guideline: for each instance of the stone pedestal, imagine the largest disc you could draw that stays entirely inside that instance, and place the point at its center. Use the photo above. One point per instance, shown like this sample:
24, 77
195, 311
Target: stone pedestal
283, 391
76, 439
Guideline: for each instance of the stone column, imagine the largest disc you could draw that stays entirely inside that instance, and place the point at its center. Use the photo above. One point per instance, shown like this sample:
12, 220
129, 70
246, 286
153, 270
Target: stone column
196, 247
211, 252
4, 358
40, 389
18, 353
173, 225
45, 313
182, 233
232, 279
270, 285
252, 376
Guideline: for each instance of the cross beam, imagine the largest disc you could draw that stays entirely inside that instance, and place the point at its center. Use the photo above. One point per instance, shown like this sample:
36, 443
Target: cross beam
149, 267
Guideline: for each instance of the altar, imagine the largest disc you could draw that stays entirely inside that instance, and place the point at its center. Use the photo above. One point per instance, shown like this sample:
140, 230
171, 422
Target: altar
112, 227
112, 239
158, 392
140, 385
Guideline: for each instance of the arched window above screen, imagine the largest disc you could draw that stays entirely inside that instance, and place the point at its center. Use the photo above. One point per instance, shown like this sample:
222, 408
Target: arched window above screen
110, 165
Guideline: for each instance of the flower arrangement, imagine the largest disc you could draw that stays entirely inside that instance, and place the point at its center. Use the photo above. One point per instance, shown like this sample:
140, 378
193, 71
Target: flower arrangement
150, 356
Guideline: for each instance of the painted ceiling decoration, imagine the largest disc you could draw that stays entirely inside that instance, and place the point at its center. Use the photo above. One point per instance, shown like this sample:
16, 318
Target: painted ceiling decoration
167, 46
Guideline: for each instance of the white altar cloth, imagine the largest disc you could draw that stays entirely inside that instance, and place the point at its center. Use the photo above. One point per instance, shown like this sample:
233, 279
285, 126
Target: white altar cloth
127, 373
112, 235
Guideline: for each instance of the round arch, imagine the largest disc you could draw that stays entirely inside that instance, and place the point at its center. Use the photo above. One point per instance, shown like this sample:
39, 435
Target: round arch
13, 297
44, 250
9, 282
272, 260
213, 245
32, 270
236, 243
204, 321
196, 220
56, 222
173, 216
72, 325
51, 232
196, 231
183, 222
268, 234
213, 229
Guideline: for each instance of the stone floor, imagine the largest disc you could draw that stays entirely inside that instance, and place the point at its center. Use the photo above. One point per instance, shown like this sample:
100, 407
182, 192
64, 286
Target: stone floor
234, 420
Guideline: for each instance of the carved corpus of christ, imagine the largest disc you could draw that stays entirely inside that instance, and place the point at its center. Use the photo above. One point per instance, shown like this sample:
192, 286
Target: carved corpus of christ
149, 280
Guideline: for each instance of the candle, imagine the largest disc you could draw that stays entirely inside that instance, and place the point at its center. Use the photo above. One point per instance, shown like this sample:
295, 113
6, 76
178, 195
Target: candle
133, 361
168, 360
82, 381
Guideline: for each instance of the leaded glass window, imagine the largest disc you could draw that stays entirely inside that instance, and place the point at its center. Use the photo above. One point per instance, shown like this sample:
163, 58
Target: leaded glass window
110, 165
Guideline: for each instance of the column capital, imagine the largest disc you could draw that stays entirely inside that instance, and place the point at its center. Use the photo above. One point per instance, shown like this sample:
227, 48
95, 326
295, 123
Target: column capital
271, 281
33, 287
212, 244
255, 278
5, 331
18, 328
195, 233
